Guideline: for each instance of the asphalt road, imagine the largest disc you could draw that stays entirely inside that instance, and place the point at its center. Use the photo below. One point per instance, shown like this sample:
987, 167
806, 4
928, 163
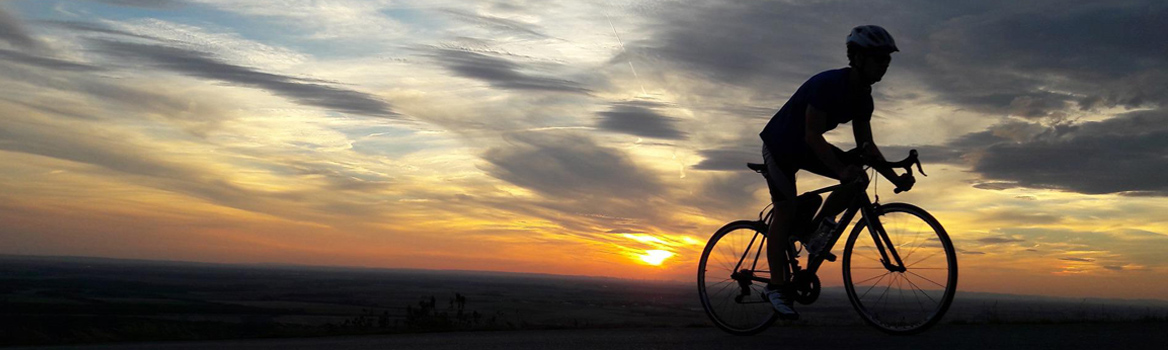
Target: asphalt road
949, 337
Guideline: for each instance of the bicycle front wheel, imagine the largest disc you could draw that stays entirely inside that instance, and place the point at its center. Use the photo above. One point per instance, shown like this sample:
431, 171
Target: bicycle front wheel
901, 302
732, 277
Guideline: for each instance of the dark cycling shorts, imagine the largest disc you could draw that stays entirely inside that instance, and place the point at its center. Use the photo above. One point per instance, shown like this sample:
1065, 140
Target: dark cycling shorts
781, 168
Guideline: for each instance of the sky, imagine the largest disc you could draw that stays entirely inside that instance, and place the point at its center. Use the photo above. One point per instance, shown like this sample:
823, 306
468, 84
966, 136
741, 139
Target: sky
602, 138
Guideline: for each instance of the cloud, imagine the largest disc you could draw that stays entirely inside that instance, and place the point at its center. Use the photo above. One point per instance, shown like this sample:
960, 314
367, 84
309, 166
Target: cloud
728, 195
1000, 240
501, 24
151, 4
1078, 259
1124, 154
12, 31
996, 185
500, 72
568, 165
108, 152
1030, 61
204, 65
96, 28
726, 42
640, 119
45, 62
728, 159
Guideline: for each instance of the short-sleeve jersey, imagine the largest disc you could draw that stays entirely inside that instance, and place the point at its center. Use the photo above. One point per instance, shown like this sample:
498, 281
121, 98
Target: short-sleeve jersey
827, 91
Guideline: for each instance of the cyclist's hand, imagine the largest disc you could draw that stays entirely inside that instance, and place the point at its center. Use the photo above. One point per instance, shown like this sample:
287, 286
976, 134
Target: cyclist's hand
904, 182
852, 173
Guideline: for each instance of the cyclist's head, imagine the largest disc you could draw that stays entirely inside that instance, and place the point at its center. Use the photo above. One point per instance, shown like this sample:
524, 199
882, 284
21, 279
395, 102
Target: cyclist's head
869, 50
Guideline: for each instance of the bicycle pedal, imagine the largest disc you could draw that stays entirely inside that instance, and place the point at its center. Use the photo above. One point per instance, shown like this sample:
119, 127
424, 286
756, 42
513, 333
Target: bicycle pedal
829, 256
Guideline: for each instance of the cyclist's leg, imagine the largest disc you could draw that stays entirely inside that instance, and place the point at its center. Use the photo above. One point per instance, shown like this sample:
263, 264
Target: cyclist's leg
839, 199
781, 182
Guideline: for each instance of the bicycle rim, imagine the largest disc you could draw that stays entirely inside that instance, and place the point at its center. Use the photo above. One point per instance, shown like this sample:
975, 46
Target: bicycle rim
901, 302
721, 295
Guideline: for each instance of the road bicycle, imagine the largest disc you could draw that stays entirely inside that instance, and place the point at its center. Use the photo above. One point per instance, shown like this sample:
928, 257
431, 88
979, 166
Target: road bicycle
899, 266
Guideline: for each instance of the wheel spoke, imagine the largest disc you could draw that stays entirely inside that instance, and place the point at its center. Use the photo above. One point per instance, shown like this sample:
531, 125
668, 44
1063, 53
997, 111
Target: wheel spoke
926, 278
735, 249
926, 258
913, 289
874, 277
911, 251
874, 285
901, 306
910, 282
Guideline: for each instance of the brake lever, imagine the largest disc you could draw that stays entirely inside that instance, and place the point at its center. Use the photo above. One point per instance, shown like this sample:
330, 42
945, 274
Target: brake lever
913, 155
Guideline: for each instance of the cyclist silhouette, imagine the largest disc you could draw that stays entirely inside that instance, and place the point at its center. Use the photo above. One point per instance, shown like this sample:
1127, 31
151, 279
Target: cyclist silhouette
793, 140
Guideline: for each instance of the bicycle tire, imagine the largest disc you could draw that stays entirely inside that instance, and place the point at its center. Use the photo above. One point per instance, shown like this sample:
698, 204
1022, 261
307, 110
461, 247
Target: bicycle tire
748, 314
907, 315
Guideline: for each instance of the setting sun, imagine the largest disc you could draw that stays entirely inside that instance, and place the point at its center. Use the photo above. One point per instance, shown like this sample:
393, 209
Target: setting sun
656, 257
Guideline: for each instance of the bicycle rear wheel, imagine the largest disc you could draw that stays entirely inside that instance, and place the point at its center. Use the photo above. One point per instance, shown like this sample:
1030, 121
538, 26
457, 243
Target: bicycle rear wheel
732, 276
901, 302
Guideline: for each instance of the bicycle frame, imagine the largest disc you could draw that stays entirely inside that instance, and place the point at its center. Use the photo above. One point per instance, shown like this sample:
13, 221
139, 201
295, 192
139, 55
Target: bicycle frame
863, 205
860, 204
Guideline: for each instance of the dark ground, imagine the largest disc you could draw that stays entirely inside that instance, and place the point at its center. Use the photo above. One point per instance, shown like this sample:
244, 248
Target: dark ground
54, 300
950, 337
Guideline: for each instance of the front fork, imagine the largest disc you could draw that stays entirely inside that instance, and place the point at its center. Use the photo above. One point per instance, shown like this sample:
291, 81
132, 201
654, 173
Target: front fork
888, 255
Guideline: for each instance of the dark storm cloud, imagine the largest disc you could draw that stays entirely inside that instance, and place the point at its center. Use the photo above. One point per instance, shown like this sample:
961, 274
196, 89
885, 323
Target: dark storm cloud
736, 42
568, 165
1120, 155
1033, 60
500, 73
641, 120
44, 62
1030, 60
1041, 62
12, 31
1123, 155
204, 65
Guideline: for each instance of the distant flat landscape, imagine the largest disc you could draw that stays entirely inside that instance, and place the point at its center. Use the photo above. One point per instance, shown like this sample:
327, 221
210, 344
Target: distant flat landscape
1088, 336
70, 300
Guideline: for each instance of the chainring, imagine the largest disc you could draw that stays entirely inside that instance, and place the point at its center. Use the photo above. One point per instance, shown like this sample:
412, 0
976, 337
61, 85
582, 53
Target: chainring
806, 287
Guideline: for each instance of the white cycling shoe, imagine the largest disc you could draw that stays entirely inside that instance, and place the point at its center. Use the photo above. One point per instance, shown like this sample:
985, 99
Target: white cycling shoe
782, 304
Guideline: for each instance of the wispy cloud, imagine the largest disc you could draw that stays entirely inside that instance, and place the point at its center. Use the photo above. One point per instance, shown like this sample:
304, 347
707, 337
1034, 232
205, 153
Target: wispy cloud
501, 72
151, 4
547, 161
640, 119
45, 62
501, 24
204, 65
12, 31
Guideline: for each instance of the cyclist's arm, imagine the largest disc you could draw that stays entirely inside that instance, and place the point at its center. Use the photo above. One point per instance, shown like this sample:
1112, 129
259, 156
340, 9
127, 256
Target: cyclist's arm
813, 135
862, 130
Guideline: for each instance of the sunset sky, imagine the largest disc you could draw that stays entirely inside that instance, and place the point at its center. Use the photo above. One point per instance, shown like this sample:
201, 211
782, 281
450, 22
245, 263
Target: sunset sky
604, 138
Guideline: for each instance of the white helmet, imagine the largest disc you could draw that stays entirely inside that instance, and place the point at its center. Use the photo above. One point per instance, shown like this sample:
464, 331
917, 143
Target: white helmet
872, 37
